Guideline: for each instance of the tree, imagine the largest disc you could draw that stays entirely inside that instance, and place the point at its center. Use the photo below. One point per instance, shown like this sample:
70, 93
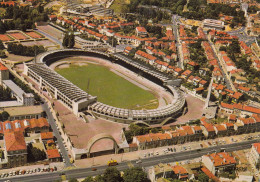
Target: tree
154, 130
112, 41
65, 41
71, 41
89, 179
111, 174
2, 54
234, 47
222, 48
99, 178
202, 177
135, 174
35, 154
1, 45
5, 116
73, 180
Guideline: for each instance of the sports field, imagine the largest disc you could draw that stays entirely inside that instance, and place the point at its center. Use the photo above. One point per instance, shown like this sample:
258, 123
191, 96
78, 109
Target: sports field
110, 88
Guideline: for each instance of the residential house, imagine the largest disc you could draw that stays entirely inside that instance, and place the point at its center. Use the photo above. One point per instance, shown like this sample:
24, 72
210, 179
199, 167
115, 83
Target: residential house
254, 155
192, 65
220, 130
16, 149
249, 125
53, 155
186, 74
207, 129
217, 163
127, 50
180, 173
141, 31
152, 140
145, 57
159, 171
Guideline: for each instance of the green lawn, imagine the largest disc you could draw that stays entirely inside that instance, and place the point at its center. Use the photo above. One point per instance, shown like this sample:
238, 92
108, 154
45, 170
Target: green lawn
110, 88
2, 11
118, 5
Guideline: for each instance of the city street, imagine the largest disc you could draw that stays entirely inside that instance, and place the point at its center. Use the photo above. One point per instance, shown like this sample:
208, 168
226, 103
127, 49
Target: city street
184, 155
57, 135
228, 81
178, 45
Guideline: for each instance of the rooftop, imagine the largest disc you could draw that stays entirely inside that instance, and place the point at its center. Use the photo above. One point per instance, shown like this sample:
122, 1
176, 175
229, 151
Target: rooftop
46, 135
14, 141
179, 170
222, 158
17, 90
257, 147
53, 153
2, 67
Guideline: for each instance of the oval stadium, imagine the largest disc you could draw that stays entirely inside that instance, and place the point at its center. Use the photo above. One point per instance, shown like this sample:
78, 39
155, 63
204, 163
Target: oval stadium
80, 101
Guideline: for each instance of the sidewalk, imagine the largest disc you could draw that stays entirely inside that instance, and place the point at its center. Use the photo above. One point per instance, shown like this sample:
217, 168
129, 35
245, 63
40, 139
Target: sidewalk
59, 165
102, 160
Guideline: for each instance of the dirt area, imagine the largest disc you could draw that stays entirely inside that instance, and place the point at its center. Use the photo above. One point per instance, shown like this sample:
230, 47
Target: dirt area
51, 31
44, 43
17, 58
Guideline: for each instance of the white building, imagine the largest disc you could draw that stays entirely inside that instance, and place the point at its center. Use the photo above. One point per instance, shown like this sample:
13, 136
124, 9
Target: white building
254, 154
26, 99
211, 23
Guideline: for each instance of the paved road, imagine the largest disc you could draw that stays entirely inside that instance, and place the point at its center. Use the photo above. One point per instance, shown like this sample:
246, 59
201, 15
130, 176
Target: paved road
57, 135
178, 45
242, 36
229, 83
173, 157
50, 37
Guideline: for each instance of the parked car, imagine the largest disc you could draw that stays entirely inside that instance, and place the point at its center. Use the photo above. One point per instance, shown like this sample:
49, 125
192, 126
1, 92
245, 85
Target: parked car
138, 162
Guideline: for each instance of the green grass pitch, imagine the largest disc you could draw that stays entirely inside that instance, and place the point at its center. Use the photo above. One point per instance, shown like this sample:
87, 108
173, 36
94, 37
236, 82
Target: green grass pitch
109, 87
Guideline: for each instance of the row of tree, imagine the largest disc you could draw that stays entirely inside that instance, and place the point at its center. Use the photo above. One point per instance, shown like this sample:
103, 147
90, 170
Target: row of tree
22, 50
134, 130
111, 174
22, 17
5, 94
2, 52
26, 88
135, 174
196, 9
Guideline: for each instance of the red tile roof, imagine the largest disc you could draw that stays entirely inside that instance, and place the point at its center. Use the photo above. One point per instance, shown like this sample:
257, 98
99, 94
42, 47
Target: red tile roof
53, 153
209, 174
46, 135
228, 106
14, 141
141, 29
232, 117
247, 120
257, 147
145, 55
179, 170
2, 67
245, 89
237, 95
220, 127
221, 159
